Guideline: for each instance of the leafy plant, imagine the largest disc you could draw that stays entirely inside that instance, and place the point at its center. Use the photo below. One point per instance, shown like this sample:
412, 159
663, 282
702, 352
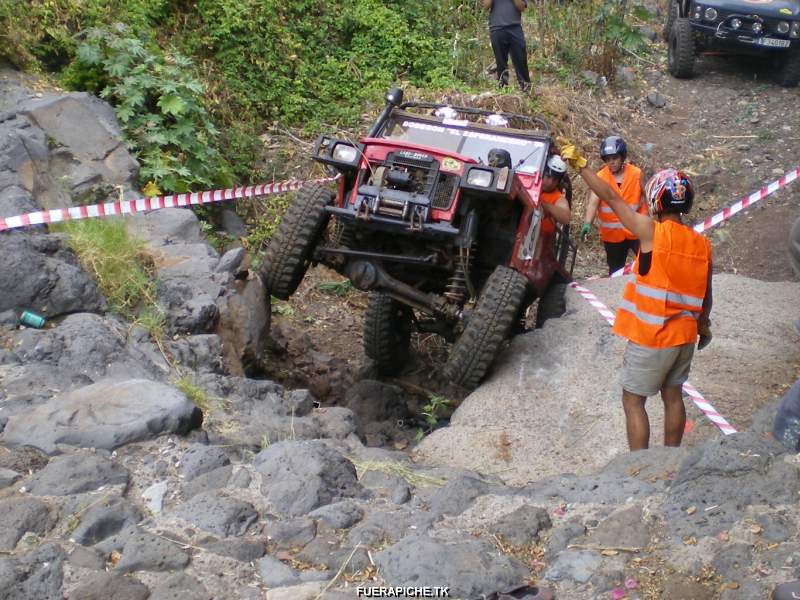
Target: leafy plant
159, 102
337, 288
436, 408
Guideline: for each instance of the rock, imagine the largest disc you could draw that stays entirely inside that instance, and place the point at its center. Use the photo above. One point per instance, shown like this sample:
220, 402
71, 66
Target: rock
458, 493
562, 536
199, 459
574, 565
304, 591
108, 585
325, 550
230, 261
298, 477
241, 479
147, 552
153, 496
470, 567
784, 559
730, 474
8, 477
23, 459
733, 562
401, 493
747, 590
294, 533
590, 77
626, 524
86, 558
213, 480
656, 99
8, 318
625, 76
21, 515
339, 515
244, 322
372, 401
522, 526
180, 587
648, 33
232, 224
107, 414
776, 527
202, 352
218, 514
100, 520
76, 473
53, 283
240, 549
37, 575
275, 574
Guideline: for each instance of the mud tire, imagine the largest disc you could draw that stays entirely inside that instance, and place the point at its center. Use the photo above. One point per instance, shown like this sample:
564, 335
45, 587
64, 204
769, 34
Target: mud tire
489, 325
387, 333
289, 252
681, 49
553, 304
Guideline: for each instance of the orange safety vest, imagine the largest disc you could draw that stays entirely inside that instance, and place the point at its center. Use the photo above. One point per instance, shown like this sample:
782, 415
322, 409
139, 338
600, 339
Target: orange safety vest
548, 223
661, 309
611, 230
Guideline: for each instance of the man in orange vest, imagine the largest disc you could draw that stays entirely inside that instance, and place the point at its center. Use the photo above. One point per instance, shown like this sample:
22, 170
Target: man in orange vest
666, 305
627, 179
554, 205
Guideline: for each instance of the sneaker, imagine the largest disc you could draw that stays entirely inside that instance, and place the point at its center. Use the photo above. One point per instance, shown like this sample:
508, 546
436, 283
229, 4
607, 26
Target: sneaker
787, 591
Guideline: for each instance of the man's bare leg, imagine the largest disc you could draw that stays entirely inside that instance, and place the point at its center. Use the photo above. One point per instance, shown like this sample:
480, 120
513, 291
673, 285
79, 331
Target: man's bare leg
674, 415
636, 422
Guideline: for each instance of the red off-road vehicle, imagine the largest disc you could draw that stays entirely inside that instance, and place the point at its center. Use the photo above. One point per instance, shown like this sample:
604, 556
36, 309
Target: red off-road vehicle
439, 217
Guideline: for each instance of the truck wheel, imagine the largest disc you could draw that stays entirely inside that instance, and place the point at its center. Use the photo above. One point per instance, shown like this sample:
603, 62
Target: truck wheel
387, 332
553, 304
289, 252
672, 16
489, 325
680, 54
789, 70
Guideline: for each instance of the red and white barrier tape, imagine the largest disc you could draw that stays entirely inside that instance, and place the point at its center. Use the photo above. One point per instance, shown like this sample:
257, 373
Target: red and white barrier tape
703, 405
128, 207
738, 206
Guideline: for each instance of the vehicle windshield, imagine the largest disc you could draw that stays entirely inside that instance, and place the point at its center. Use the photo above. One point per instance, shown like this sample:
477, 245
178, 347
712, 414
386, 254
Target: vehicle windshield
459, 137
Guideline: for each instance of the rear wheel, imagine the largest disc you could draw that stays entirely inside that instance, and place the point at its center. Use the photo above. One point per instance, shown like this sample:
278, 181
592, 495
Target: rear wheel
681, 51
489, 325
289, 252
788, 74
387, 333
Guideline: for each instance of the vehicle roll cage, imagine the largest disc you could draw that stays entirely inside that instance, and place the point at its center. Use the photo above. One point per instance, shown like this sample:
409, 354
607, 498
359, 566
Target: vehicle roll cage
538, 121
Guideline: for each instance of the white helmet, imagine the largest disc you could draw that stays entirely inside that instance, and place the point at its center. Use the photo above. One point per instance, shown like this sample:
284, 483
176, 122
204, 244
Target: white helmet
556, 167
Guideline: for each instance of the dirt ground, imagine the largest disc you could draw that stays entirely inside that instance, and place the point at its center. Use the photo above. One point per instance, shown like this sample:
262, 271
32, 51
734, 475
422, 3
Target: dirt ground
729, 127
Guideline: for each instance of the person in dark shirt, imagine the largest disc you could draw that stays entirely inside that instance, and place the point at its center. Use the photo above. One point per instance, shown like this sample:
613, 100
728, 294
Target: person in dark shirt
507, 37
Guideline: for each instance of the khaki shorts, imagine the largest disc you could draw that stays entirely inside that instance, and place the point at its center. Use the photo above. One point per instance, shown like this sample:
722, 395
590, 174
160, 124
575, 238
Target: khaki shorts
646, 370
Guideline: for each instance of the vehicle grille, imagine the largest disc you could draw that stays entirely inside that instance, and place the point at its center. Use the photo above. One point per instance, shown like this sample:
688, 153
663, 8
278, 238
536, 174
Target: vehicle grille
443, 193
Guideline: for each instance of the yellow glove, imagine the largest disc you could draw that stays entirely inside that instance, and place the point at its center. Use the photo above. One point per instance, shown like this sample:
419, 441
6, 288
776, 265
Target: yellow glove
571, 154
705, 335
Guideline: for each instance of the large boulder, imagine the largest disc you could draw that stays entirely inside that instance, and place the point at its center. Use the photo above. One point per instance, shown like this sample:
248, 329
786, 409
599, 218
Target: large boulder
39, 273
106, 415
298, 477
244, 324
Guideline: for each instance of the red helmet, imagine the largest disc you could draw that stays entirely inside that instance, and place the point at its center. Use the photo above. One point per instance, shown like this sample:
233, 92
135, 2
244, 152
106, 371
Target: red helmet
669, 191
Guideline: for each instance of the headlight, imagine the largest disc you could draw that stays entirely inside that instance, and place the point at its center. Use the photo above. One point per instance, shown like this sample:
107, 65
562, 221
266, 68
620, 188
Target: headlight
783, 27
698, 11
345, 153
757, 27
736, 23
711, 14
795, 29
480, 178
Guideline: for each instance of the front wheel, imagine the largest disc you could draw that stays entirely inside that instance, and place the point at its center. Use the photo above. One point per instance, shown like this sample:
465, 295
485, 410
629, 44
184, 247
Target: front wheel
387, 333
289, 252
788, 74
672, 16
681, 51
489, 325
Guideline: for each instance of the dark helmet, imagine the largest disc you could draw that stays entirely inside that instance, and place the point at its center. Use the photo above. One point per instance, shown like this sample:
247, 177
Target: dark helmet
498, 157
669, 191
614, 145
555, 167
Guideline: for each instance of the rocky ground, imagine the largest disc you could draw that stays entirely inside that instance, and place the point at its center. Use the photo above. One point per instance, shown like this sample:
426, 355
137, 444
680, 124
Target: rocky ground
113, 483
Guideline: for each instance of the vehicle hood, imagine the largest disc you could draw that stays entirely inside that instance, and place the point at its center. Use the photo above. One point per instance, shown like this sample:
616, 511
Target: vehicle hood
764, 8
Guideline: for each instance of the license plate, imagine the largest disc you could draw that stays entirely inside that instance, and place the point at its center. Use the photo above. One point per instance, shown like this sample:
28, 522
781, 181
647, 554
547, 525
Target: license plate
772, 42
